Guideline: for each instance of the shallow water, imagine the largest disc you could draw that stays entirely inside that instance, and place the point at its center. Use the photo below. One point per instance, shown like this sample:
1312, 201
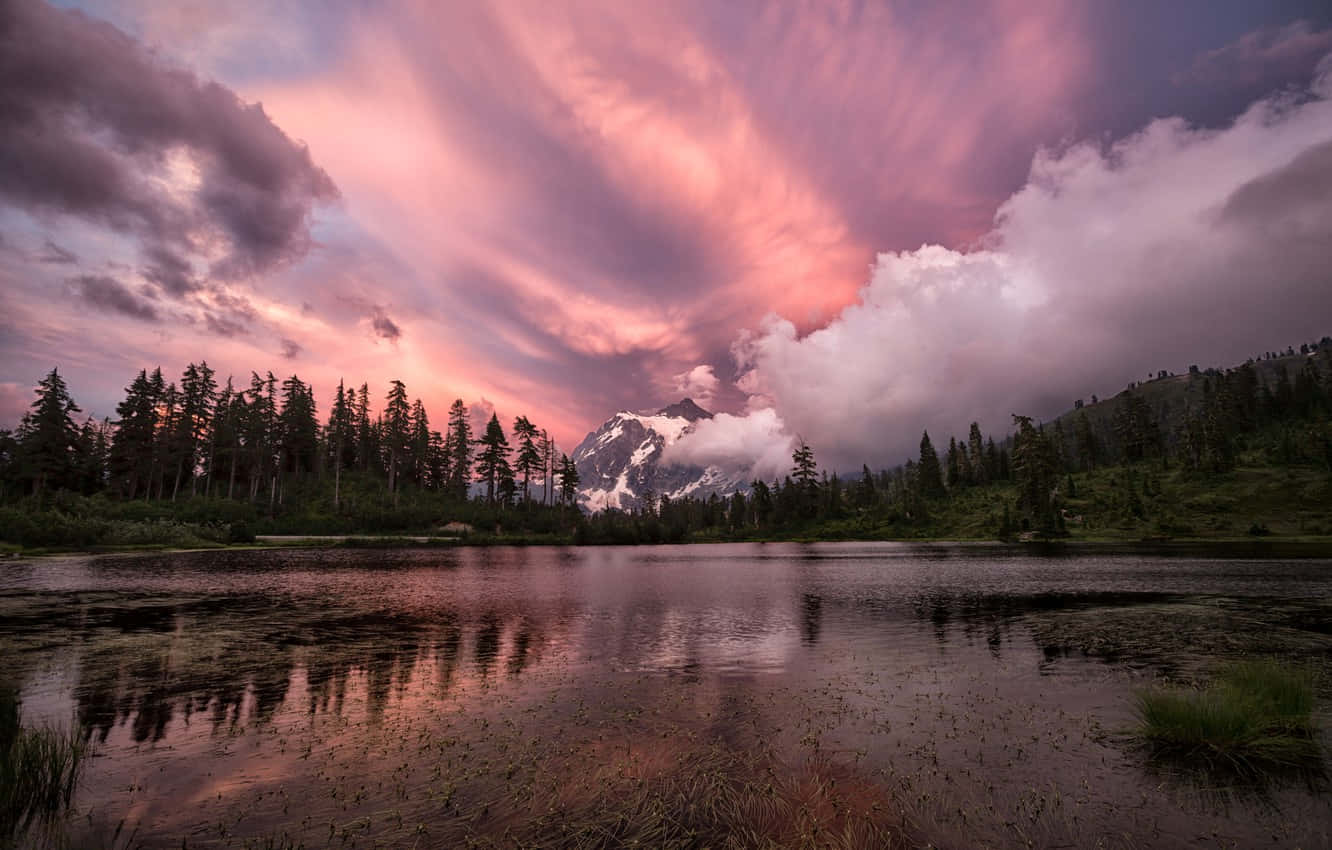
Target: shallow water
422, 697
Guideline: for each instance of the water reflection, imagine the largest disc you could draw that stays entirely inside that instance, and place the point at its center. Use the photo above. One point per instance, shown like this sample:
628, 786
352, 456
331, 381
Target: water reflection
234, 664
898, 656
811, 618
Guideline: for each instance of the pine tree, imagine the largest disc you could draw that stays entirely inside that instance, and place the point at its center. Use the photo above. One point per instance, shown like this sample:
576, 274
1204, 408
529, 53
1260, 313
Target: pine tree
396, 433
568, 480
339, 432
547, 468
529, 455
492, 461
1035, 474
460, 446
298, 429
198, 394
929, 475
259, 433
224, 436
420, 444
952, 464
167, 443
865, 490
132, 445
48, 437
366, 451
980, 473
1085, 440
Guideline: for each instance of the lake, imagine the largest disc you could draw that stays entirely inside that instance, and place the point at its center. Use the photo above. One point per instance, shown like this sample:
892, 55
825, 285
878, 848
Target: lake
825, 694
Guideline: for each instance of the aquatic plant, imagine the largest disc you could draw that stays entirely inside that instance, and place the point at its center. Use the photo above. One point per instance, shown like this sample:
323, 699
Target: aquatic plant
1255, 712
39, 770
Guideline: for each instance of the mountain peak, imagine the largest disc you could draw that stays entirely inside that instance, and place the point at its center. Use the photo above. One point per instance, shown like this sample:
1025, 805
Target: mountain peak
685, 408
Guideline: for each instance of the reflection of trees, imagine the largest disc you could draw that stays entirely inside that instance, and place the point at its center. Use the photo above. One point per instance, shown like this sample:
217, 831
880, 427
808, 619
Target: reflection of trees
992, 614
233, 661
487, 643
811, 618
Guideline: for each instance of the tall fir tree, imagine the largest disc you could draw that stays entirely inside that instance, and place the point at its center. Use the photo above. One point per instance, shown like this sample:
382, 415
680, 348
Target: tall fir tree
929, 475
492, 461
396, 432
460, 450
48, 437
529, 455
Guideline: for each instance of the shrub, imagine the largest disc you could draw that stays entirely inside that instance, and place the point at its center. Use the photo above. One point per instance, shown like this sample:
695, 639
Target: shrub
1257, 711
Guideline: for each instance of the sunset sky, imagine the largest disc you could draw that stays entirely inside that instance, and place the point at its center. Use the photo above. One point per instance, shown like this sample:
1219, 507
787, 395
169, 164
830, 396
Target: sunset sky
568, 208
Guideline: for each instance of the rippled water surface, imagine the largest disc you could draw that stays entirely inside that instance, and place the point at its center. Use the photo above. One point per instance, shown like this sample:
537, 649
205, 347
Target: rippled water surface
973, 695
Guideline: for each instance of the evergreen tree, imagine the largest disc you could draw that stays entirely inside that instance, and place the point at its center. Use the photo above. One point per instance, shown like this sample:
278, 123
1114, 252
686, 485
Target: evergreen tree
94, 455
492, 461
339, 432
198, 394
865, 490
132, 445
1035, 474
366, 450
48, 437
805, 471
420, 443
568, 480
529, 454
225, 435
951, 463
259, 433
460, 447
298, 429
929, 475
980, 472
1085, 440
396, 434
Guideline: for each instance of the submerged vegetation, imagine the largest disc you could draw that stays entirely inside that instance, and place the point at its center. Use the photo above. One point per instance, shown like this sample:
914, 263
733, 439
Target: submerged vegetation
1256, 713
39, 770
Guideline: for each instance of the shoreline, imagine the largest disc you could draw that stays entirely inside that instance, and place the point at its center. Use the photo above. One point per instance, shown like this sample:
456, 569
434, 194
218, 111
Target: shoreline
1266, 548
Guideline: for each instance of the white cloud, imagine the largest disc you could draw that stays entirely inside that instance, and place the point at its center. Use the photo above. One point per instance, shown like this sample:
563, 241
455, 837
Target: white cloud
699, 383
1176, 245
755, 444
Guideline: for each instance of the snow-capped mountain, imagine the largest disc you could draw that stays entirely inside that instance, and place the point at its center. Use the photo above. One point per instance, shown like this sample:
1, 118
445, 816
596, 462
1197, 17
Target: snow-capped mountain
621, 460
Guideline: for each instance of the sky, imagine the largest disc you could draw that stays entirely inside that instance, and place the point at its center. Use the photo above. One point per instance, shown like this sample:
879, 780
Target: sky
838, 222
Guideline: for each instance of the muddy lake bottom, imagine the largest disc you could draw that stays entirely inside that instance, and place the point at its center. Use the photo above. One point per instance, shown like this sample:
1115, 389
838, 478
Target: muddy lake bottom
745, 695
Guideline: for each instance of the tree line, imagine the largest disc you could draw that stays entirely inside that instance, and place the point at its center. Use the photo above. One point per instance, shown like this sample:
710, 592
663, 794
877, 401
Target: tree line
264, 447
1201, 428
264, 442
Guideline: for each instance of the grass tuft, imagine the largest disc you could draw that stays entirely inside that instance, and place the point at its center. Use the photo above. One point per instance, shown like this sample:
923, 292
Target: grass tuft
1256, 712
39, 770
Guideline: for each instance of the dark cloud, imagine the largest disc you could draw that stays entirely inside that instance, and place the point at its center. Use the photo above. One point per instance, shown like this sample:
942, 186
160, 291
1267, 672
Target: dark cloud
291, 349
107, 293
223, 325
385, 328
1302, 186
95, 127
55, 255
1267, 58
169, 270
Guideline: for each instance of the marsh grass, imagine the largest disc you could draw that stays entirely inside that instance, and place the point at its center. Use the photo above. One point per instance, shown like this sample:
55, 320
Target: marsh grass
710, 797
39, 770
1257, 713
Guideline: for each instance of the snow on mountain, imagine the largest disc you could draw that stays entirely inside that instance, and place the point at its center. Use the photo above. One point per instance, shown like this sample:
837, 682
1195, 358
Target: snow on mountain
620, 461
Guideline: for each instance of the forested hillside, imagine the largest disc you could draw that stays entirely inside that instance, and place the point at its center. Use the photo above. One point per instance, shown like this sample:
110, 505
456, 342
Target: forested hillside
1209, 453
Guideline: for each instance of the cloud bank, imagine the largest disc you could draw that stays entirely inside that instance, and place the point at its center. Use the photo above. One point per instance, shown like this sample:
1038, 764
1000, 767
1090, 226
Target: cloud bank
1173, 246
97, 129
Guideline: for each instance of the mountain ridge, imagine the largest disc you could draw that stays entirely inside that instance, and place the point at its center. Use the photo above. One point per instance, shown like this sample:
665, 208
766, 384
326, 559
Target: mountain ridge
619, 463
